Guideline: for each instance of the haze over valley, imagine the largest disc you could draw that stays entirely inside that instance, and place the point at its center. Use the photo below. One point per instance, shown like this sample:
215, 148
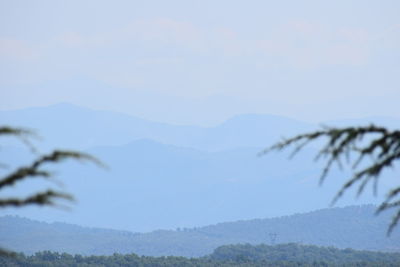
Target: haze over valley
163, 176
239, 133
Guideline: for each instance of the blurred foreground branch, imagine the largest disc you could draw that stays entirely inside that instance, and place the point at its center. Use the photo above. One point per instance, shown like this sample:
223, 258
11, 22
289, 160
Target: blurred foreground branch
382, 147
36, 170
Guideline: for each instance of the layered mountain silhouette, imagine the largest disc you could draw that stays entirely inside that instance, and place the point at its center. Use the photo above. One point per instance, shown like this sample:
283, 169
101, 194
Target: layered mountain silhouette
71, 126
165, 176
351, 227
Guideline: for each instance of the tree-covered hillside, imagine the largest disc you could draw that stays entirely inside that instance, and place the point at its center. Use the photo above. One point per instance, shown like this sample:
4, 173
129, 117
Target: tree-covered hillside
299, 253
351, 227
231, 255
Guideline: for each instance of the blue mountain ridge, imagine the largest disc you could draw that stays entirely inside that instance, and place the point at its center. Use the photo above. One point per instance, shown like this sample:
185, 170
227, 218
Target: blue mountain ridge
168, 176
348, 227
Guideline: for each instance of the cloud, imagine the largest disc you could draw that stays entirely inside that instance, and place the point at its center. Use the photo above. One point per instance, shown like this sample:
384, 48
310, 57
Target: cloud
165, 30
160, 31
302, 44
17, 50
295, 44
196, 59
72, 39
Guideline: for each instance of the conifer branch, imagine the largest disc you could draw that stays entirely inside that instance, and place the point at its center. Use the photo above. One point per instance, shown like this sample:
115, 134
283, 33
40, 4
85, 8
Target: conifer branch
42, 198
45, 198
383, 147
34, 170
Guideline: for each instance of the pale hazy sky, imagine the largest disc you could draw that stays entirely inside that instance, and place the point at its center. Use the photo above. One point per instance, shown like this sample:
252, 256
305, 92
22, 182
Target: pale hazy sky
200, 62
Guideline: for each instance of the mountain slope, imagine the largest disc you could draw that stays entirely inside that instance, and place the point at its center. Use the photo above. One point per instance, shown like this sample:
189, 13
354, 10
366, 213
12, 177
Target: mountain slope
351, 227
152, 186
72, 126
177, 176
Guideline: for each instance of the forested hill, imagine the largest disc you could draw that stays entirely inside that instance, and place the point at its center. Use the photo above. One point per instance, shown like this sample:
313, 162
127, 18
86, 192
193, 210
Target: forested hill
231, 255
350, 227
299, 253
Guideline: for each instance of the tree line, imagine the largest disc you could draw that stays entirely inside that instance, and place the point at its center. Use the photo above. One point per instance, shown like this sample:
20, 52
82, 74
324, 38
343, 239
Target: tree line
283, 255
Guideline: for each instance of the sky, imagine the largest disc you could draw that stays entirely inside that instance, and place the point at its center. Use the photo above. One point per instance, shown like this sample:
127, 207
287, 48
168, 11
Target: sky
201, 62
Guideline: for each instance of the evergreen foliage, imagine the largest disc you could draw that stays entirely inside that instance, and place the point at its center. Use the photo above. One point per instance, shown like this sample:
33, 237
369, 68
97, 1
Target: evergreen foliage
283, 255
382, 146
35, 170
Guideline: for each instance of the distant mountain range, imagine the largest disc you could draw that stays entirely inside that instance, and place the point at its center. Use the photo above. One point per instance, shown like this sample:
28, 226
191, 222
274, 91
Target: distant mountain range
350, 227
70, 126
66, 125
152, 186
165, 176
